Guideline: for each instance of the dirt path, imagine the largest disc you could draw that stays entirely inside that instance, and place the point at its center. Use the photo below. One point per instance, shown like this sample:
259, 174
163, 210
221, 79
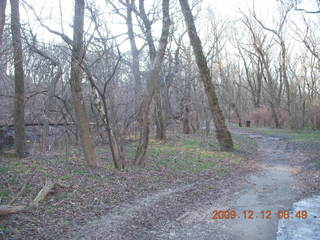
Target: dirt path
184, 213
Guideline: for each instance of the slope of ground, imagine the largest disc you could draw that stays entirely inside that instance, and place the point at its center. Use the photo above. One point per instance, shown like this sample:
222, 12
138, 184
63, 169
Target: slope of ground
184, 180
185, 213
182, 161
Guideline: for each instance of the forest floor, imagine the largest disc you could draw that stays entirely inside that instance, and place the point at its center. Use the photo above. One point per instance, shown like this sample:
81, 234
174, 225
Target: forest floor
184, 180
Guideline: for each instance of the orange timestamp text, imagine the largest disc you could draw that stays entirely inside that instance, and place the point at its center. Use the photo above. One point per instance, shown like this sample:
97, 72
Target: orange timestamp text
262, 214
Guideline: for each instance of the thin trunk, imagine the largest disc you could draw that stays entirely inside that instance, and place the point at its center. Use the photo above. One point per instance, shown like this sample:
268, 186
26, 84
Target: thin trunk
18, 79
135, 58
259, 83
153, 78
222, 133
186, 125
303, 113
159, 115
48, 106
75, 82
283, 68
147, 32
275, 115
100, 105
116, 150
186, 100
234, 106
207, 127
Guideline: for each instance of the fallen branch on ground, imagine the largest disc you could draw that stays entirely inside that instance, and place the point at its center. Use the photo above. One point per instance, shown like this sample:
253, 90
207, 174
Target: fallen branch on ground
43, 193
7, 209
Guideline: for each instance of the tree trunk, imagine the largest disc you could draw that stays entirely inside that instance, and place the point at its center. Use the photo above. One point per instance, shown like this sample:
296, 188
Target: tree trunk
3, 4
283, 68
18, 79
186, 123
75, 82
303, 114
235, 108
114, 142
153, 78
117, 154
207, 127
135, 58
222, 133
48, 106
159, 115
275, 115
144, 130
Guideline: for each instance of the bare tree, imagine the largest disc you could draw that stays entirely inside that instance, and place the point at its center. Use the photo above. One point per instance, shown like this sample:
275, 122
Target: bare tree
222, 133
100, 92
254, 75
186, 103
75, 82
135, 54
160, 125
51, 90
273, 87
153, 78
18, 79
100, 104
279, 33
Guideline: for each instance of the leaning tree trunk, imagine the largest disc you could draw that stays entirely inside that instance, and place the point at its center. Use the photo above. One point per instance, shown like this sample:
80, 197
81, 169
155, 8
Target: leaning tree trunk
158, 108
116, 149
222, 132
153, 78
18, 79
75, 82
100, 105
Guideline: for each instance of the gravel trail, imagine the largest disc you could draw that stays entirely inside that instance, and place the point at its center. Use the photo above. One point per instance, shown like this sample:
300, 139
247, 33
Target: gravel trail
185, 212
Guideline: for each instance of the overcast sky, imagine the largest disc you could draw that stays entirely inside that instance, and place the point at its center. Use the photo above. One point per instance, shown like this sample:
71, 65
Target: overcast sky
222, 9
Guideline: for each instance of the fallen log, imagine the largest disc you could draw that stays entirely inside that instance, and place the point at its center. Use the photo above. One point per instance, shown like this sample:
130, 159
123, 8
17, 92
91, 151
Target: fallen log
43, 193
47, 188
7, 209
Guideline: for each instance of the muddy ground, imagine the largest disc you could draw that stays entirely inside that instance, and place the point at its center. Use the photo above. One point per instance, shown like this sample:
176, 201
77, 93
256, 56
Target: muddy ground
173, 197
